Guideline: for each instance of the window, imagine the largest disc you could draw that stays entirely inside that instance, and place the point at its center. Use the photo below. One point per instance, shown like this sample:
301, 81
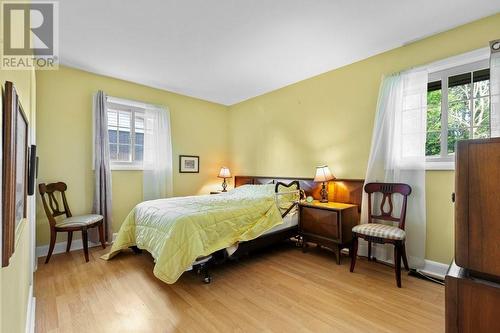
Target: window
458, 107
126, 136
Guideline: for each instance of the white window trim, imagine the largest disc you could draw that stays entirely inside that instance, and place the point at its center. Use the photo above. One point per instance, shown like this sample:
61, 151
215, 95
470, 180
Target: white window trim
449, 67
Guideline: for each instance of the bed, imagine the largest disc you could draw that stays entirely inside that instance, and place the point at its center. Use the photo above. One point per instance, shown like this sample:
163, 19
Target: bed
183, 232
187, 233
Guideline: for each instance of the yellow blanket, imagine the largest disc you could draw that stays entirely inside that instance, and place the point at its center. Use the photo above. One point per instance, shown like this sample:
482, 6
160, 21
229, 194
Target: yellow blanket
176, 231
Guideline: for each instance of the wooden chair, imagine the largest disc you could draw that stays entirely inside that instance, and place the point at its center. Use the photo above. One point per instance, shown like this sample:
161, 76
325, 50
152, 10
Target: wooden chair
70, 223
382, 233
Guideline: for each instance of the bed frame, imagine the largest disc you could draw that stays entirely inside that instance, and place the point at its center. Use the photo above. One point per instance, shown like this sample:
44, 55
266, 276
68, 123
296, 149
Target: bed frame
340, 190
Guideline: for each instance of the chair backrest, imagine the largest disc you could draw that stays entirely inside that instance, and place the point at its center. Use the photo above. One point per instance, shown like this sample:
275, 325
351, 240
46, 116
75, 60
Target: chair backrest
53, 208
388, 190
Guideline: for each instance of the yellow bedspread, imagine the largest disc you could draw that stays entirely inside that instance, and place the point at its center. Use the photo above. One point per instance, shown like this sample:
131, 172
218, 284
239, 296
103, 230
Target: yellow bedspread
176, 231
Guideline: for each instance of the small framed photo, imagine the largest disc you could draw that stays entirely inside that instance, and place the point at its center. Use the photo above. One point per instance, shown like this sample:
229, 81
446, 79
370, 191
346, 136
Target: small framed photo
189, 164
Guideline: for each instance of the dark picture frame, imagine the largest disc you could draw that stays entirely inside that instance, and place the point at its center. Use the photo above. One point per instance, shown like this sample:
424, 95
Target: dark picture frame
189, 164
15, 169
32, 169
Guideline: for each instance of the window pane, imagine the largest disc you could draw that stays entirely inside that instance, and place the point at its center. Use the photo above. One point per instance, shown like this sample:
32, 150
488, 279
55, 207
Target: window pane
481, 112
459, 114
455, 134
433, 144
433, 140
139, 152
481, 88
124, 136
112, 118
124, 153
139, 138
459, 87
139, 122
113, 152
113, 136
481, 132
434, 110
124, 119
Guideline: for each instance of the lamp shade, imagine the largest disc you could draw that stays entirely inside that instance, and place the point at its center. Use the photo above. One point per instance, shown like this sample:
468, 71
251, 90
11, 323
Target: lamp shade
224, 173
323, 174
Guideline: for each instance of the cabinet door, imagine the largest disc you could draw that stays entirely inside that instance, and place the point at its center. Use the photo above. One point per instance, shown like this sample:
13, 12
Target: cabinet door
477, 211
472, 306
320, 222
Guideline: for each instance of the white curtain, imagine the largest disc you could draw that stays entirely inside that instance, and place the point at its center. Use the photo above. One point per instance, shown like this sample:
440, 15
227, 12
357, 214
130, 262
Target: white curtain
398, 155
495, 90
157, 182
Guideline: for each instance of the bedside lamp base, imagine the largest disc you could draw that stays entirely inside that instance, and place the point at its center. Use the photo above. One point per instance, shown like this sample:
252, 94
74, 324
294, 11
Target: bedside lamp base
224, 185
324, 193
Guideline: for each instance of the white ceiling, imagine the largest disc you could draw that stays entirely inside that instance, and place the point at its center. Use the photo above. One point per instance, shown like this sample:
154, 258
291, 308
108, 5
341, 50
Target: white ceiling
227, 51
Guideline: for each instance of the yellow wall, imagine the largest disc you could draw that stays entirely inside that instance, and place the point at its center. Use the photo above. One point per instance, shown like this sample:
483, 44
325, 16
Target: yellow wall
15, 278
65, 140
329, 119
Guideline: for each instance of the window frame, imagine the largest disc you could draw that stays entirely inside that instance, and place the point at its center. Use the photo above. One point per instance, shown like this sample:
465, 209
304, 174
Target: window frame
441, 73
134, 110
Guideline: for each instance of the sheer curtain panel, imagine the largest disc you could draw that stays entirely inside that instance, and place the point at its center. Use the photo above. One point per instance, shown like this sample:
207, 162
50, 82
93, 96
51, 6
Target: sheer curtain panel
397, 155
157, 182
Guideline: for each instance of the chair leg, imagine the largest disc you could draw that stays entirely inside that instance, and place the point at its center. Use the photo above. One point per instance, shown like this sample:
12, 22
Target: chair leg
53, 236
369, 251
403, 254
354, 252
397, 264
70, 238
101, 235
85, 244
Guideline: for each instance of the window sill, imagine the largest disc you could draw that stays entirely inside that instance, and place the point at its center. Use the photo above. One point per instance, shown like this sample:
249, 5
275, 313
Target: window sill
440, 165
126, 167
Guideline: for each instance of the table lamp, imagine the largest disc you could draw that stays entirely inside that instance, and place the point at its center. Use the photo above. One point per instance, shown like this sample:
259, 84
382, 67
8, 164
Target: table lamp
323, 175
224, 173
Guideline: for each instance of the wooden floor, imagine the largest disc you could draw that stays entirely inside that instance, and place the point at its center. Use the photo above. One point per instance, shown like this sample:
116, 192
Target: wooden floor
282, 290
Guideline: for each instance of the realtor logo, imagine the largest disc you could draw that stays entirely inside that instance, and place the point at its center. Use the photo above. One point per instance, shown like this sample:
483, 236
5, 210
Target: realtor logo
30, 35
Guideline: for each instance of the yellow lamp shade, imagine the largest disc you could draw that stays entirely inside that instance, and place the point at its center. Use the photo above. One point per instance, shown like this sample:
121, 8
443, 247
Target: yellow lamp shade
323, 174
224, 173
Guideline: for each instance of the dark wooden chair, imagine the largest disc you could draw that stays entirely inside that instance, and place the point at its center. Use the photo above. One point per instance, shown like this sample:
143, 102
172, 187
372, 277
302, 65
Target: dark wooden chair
70, 223
383, 233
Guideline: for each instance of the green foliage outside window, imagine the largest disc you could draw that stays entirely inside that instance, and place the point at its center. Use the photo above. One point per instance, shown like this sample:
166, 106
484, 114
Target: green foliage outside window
468, 115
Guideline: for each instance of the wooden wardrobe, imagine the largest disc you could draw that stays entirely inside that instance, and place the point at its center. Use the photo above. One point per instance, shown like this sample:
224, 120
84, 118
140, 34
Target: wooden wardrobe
473, 280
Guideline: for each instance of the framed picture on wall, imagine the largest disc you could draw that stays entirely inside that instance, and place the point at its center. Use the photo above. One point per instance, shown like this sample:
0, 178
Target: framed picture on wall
15, 169
189, 164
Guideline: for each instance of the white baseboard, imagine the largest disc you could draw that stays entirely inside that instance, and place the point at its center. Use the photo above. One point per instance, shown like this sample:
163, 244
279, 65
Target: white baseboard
77, 244
30, 312
434, 269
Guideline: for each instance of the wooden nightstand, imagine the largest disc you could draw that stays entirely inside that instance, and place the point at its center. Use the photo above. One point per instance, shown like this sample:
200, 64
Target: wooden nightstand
327, 224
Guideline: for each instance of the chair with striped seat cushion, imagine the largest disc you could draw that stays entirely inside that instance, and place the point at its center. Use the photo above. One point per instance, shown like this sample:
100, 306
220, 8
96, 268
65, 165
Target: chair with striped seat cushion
70, 223
382, 233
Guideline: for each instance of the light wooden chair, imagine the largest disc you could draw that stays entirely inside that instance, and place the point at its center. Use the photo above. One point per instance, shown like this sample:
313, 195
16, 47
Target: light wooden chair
70, 223
383, 233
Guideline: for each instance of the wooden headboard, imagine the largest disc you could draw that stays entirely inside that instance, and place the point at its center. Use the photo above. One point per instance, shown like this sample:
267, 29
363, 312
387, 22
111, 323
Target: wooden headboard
339, 190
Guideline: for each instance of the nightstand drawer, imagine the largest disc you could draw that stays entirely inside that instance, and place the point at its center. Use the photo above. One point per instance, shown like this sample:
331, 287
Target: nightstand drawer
320, 222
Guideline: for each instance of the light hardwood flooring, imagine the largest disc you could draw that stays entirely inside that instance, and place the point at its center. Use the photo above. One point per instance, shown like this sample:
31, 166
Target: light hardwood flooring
280, 290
